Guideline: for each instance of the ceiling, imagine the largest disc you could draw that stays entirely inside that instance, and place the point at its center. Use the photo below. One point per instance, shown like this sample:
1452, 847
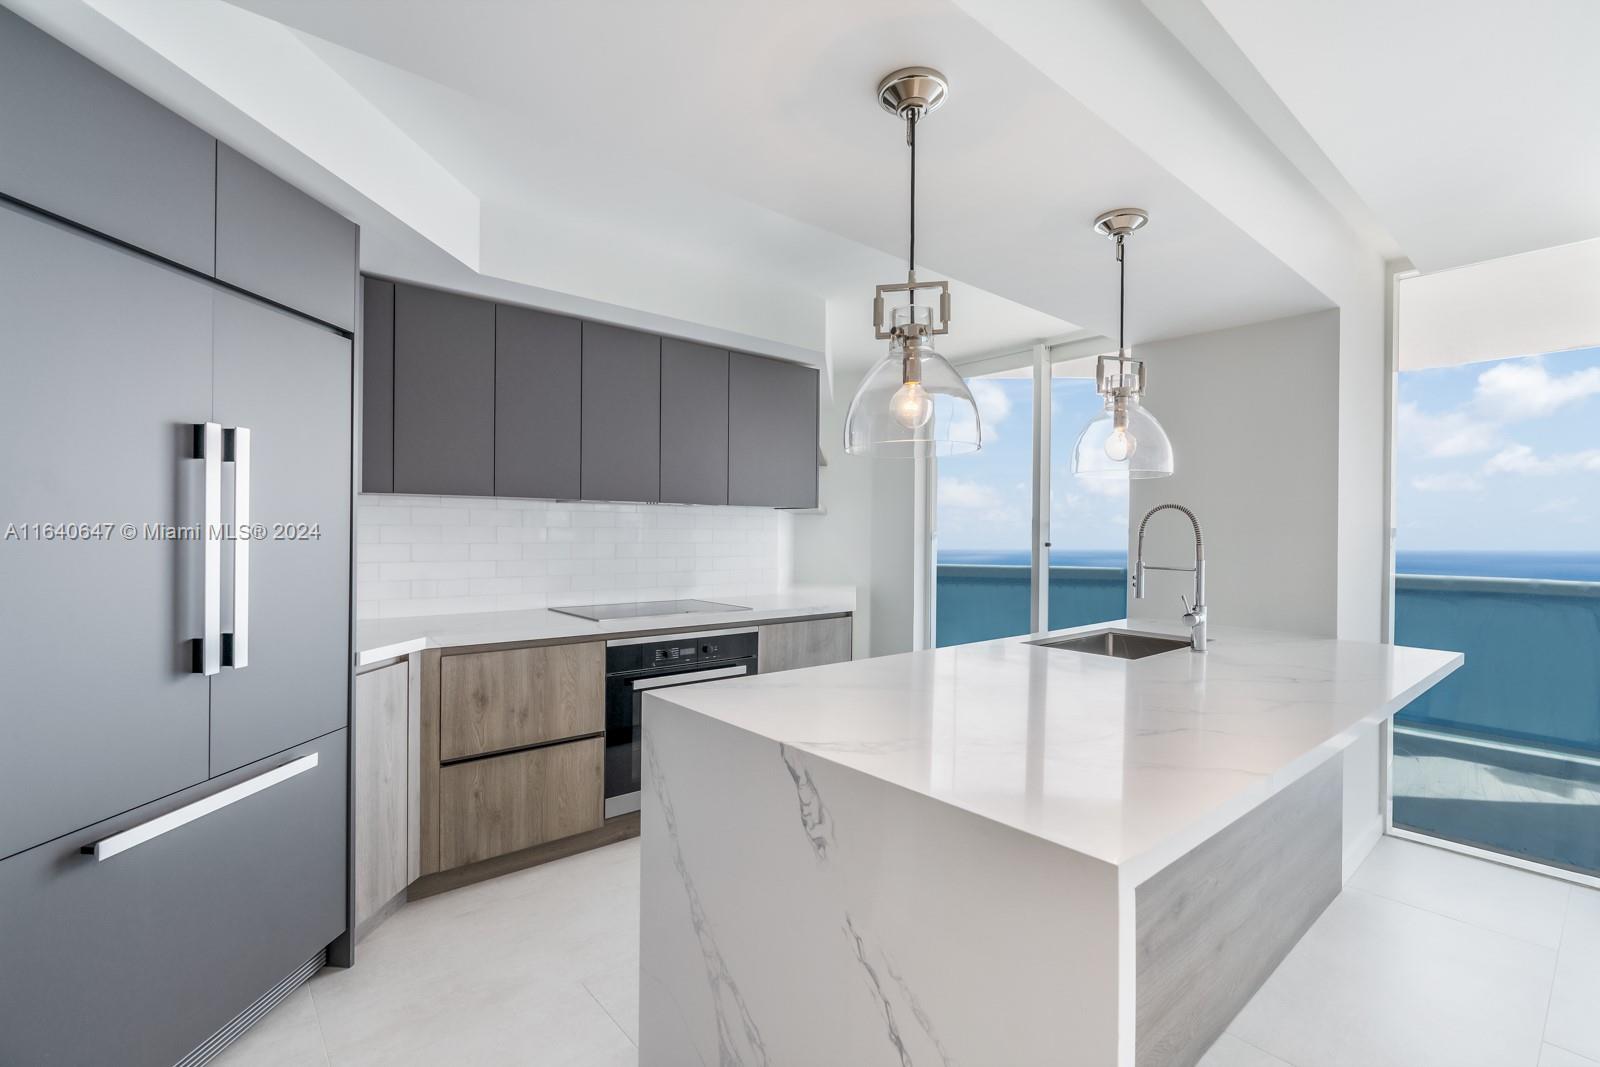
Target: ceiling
1466, 126
721, 170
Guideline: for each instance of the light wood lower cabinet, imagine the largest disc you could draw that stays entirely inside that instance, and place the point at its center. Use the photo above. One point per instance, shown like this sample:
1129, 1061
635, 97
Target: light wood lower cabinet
786, 646
505, 699
499, 804
382, 801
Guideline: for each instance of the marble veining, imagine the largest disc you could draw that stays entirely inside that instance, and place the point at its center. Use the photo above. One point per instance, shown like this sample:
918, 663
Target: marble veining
813, 813
739, 1040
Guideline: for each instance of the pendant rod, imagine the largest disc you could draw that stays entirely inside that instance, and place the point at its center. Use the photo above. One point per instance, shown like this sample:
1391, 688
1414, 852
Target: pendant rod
1122, 300
911, 253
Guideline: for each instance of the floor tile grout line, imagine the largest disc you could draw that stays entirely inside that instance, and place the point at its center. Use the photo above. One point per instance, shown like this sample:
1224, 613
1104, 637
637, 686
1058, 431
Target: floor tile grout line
612, 1018
1555, 974
316, 1013
1350, 887
1569, 1052
1258, 1048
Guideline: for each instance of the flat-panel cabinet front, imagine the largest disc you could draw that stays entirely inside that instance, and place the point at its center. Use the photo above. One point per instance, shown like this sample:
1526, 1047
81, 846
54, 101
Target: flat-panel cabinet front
772, 432
443, 393
108, 368
78, 143
538, 402
694, 423
288, 382
377, 386
621, 414
275, 241
136, 959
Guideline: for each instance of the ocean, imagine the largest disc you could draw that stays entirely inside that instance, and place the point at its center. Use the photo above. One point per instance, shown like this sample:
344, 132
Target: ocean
1559, 566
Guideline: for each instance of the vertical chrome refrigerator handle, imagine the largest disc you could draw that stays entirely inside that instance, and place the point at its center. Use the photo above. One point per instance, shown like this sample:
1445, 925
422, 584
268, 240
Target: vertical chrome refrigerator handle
236, 644
208, 449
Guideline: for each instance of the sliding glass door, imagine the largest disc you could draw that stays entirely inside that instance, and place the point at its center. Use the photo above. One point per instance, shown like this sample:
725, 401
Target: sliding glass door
983, 520
1498, 557
1020, 544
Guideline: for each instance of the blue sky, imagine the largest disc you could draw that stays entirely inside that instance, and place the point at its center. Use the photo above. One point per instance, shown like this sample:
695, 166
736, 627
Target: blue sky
1501, 455
984, 498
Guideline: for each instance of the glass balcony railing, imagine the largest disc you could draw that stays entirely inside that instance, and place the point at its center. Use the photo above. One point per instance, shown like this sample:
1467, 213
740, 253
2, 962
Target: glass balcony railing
1503, 755
979, 602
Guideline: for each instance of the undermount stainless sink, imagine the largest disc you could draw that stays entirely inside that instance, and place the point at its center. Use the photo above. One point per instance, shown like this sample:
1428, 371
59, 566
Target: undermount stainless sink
1119, 644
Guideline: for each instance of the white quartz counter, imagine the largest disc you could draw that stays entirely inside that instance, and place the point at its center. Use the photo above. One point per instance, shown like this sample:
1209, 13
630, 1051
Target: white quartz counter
381, 639
1128, 762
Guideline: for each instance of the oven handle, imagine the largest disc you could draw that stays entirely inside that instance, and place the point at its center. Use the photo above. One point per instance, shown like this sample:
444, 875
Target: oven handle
689, 676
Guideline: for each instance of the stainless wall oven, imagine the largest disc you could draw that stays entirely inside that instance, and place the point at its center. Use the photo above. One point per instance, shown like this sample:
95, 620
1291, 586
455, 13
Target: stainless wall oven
637, 665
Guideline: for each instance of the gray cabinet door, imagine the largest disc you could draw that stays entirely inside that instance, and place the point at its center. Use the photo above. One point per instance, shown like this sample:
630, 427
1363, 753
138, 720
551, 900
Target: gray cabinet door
694, 423
377, 386
107, 360
275, 241
76, 142
772, 432
443, 393
288, 381
621, 414
538, 403
136, 959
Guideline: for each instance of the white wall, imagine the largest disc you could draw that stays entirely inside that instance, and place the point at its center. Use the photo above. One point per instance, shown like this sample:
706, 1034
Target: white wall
418, 555
1253, 417
861, 534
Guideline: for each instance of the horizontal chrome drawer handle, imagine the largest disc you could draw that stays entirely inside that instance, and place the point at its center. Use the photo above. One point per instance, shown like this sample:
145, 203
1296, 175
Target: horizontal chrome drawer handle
107, 847
690, 676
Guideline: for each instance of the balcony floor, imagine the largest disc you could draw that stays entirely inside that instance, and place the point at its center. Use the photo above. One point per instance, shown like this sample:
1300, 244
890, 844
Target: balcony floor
1427, 959
1537, 805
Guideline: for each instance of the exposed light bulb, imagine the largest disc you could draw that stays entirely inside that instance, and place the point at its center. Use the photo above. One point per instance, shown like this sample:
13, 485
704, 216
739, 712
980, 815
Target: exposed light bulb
911, 405
1120, 445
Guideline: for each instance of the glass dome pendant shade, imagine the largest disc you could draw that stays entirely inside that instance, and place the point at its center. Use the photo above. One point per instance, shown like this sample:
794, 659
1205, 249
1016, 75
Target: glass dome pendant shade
1124, 440
912, 403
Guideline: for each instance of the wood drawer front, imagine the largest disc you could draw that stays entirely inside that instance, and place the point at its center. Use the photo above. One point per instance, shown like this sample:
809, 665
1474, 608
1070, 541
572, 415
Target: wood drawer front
493, 701
488, 807
788, 646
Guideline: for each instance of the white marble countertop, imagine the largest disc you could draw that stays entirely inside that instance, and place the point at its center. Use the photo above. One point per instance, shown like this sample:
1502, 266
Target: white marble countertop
1129, 762
382, 639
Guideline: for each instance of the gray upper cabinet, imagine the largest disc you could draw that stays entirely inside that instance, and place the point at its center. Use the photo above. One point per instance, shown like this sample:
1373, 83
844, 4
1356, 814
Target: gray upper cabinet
772, 432
538, 403
78, 143
694, 423
108, 367
443, 393
277, 242
288, 381
377, 386
621, 414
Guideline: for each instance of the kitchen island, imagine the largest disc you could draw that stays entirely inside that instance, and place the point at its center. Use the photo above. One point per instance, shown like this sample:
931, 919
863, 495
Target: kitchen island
997, 853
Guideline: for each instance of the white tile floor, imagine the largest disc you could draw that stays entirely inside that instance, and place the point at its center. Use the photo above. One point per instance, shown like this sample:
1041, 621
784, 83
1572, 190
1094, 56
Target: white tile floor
1428, 958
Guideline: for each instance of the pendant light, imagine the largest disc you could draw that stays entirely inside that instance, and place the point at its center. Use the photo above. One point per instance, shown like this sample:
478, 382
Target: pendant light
912, 403
1124, 440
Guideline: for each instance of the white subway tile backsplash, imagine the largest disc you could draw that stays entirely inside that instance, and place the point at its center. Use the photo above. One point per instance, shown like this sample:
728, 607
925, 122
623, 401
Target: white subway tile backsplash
420, 555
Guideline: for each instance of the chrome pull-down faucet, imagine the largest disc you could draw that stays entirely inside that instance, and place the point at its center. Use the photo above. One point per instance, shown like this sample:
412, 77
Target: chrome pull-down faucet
1193, 614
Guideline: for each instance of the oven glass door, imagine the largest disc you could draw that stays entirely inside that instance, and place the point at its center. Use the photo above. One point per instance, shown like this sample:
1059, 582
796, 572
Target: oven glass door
624, 726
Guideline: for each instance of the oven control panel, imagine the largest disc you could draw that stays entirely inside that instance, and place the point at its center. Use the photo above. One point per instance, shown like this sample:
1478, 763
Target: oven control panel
675, 653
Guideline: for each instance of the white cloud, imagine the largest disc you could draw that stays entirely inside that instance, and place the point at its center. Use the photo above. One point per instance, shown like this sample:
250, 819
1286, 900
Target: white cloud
1447, 483
960, 493
1523, 389
1446, 435
994, 407
1520, 459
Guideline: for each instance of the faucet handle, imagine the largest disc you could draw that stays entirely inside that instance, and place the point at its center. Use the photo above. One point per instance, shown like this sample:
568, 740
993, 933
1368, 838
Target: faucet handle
1187, 608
